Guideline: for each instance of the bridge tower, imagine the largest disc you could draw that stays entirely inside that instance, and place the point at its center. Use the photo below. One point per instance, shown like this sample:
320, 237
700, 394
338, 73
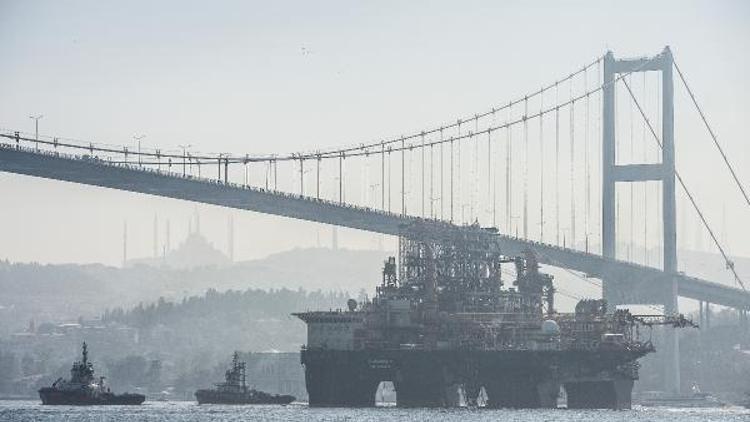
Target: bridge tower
663, 172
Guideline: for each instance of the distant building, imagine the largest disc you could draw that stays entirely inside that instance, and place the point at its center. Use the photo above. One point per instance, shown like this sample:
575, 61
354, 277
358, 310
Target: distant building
195, 252
67, 336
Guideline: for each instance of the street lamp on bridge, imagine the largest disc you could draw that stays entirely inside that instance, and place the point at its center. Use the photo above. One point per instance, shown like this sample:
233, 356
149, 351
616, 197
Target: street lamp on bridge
36, 128
184, 157
138, 138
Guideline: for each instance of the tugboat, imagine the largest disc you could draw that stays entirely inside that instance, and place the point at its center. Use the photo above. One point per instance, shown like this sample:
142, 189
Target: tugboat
234, 390
83, 389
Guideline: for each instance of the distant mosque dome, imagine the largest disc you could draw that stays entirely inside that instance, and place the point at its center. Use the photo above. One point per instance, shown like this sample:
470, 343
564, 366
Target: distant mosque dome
194, 252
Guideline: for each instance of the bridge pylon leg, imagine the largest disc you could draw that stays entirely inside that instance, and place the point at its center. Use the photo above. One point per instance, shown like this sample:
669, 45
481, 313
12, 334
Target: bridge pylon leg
671, 342
613, 173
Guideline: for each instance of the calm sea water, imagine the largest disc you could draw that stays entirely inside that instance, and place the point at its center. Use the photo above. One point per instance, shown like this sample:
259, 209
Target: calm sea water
191, 412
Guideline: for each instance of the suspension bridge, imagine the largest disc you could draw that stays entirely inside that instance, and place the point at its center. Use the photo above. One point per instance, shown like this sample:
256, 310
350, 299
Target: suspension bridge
545, 171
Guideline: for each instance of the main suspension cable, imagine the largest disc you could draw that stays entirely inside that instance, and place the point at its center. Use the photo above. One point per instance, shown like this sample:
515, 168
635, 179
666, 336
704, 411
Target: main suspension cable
330, 153
713, 135
728, 262
482, 115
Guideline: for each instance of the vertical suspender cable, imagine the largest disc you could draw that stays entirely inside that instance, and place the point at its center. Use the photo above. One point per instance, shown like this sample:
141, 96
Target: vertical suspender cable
493, 172
268, 174
509, 173
525, 168
659, 190
490, 187
432, 181
598, 150
423, 208
442, 175
472, 175
645, 184
541, 167
389, 178
498, 174
301, 176
341, 178
469, 179
451, 174
572, 170
557, 166
617, 108
587, 164
368, 198
403, 178
458, 175
275, 176
475, 202
632, 185
382, 176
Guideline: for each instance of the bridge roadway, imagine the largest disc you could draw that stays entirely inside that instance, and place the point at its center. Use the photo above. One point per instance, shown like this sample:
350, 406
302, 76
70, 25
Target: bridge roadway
637, 284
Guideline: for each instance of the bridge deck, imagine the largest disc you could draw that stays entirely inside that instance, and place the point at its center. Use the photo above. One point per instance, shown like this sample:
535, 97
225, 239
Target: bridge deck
641, 281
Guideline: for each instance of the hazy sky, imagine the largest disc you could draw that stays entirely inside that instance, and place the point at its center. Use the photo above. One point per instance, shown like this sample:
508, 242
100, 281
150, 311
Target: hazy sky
284, 76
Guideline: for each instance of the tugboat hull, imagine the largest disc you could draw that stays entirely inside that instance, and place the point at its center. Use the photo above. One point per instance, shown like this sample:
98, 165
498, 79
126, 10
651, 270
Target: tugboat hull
82, 389
217, 397
52, 396
235, 391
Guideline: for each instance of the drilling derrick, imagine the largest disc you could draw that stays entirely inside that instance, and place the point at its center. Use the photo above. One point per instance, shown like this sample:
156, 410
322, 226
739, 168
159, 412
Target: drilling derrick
456, 317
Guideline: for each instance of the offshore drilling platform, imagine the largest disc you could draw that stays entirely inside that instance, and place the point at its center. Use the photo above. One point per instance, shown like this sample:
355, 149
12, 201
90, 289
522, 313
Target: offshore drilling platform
452, 320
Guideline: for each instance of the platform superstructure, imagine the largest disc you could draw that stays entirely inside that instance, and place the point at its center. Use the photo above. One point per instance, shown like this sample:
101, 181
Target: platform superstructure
455, 317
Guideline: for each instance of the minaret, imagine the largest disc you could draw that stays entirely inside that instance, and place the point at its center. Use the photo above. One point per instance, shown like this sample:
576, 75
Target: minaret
124, 243
166, 242
156, 237
230, 238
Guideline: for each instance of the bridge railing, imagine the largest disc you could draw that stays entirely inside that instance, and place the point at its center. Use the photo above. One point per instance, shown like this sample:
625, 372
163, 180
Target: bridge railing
95, 159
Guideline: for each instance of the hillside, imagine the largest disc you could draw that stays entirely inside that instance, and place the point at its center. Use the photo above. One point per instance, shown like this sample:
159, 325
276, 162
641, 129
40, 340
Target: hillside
65, 292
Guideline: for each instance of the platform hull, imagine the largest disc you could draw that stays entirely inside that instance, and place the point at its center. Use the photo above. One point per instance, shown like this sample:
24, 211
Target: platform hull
511, 379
